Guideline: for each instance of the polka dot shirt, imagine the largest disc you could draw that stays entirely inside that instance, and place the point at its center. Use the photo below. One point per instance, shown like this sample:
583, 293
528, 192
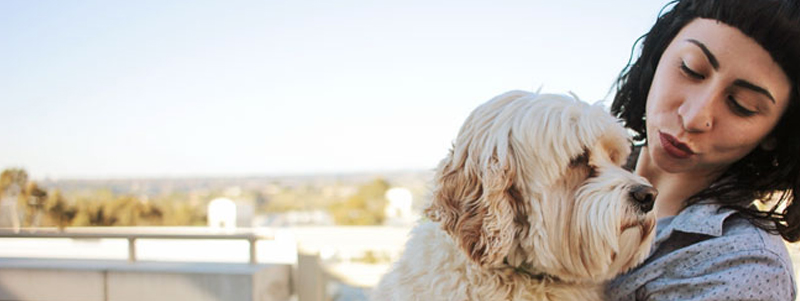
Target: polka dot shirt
708, 253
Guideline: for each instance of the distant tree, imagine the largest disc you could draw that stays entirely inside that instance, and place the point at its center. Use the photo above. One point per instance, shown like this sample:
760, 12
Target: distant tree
182, 214
13, 177
365, 207
57, 212
24, 203
87, 213
119, 211
32, 200
21, 201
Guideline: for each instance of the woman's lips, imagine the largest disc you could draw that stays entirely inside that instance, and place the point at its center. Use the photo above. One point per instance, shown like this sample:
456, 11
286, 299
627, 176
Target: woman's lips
675, 148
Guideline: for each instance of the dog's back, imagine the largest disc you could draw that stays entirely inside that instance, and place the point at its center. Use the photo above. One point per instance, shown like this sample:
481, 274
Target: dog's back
433, 268
430, 269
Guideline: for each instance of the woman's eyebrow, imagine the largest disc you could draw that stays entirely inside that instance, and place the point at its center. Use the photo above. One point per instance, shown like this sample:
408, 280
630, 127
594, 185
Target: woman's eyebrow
739, 82
711, 58
751, 86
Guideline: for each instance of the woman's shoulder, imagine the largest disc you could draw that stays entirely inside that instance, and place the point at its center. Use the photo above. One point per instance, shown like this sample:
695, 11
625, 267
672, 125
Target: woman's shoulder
745, 260
707, 251
749, 237
741, 245
720, 231
709, 233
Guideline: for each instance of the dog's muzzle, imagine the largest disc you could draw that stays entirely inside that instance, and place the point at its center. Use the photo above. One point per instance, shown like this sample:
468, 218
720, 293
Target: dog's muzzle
643, 197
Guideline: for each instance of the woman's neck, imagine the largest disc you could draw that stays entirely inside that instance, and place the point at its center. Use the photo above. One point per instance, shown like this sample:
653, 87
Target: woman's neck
673, 188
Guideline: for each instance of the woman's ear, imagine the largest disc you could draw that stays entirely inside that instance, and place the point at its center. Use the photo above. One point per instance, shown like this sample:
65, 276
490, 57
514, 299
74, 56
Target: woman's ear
770, 143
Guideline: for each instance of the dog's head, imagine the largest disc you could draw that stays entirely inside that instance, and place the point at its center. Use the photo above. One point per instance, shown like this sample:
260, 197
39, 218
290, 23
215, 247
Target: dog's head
535, 180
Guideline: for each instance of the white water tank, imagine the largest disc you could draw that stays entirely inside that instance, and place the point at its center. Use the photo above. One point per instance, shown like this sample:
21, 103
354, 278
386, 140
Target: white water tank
222, 214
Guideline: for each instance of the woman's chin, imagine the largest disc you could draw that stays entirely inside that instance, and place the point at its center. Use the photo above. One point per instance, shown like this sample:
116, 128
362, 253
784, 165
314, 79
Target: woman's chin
671, 164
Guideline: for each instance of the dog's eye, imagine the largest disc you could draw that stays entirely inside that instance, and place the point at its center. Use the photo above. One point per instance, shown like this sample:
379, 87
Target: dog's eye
582, 160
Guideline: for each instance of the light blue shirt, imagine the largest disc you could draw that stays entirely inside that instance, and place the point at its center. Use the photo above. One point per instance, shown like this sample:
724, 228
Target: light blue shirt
708, 253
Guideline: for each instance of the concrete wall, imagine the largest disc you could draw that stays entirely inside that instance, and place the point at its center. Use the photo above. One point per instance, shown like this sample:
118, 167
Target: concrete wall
94, 280
65, 285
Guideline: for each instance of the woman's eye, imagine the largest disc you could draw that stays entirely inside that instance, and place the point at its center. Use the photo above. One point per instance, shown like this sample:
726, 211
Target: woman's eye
691, 73
738, 108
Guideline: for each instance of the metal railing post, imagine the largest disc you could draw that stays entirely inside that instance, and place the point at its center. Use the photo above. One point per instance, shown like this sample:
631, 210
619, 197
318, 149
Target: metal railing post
253, 258
132, 249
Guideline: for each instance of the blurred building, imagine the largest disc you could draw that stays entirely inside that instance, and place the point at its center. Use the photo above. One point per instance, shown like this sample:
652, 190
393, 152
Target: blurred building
222, 214
398, 210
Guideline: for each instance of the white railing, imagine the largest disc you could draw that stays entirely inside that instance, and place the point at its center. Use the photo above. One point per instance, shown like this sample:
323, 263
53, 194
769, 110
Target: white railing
132, 234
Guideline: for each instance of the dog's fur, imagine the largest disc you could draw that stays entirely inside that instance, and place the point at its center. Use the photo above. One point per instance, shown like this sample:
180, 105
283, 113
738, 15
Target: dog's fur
530, 204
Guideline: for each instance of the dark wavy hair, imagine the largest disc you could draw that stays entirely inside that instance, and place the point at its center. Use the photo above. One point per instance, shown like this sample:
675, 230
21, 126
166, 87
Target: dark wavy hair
760, 175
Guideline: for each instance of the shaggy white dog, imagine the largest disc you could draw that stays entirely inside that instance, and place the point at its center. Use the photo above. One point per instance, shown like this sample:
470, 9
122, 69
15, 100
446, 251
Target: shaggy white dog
530, 204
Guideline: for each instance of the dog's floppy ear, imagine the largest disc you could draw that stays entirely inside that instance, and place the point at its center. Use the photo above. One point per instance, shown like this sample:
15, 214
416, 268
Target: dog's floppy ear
474, 197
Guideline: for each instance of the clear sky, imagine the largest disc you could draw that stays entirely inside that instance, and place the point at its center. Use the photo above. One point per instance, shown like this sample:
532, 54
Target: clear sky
165, 88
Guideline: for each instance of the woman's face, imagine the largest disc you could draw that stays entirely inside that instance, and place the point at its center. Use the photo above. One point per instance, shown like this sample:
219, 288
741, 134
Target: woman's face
716, 94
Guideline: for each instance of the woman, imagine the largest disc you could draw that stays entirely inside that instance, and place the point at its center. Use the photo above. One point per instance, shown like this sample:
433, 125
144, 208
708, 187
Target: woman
713, 98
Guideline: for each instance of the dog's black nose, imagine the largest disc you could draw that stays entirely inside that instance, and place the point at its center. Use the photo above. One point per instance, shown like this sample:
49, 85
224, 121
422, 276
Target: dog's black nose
644, 197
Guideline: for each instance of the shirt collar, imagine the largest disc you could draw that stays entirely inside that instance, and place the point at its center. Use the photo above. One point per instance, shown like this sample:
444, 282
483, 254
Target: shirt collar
700, 218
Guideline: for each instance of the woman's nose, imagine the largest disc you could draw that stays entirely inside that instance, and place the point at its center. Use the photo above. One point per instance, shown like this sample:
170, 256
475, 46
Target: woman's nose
697, 113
